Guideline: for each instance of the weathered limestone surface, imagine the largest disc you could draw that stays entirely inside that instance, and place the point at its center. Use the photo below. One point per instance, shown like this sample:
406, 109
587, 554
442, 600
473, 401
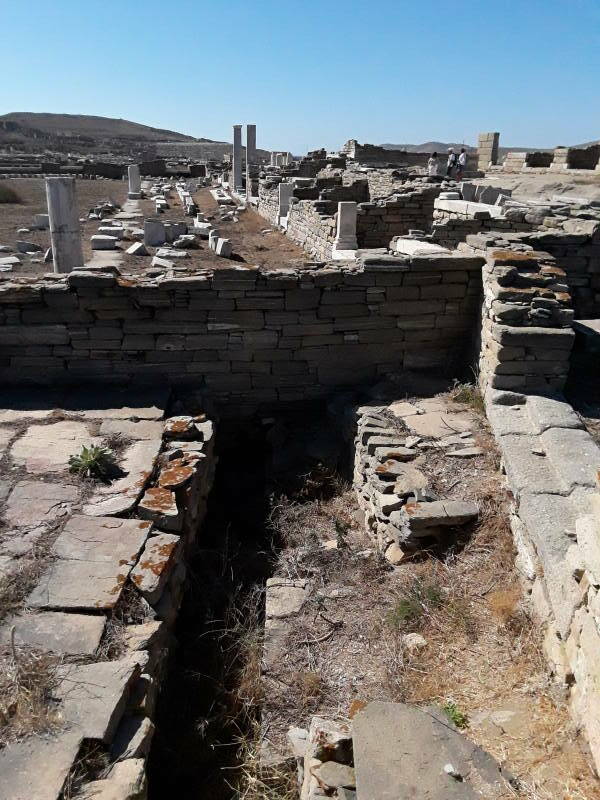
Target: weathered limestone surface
403, 752
552, 467
94, 558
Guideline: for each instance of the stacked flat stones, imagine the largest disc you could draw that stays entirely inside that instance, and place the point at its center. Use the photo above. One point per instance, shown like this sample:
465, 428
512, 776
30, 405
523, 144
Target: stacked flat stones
401, 513
526, 333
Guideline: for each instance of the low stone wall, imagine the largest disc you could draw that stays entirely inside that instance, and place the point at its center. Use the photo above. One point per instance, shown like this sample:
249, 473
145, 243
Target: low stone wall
379, 221
526, 335
381, 182
551, 465
450, 229
242, 335
312, 230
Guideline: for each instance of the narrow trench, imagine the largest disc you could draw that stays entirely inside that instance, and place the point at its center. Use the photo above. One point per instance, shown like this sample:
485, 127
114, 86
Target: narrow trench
198, 723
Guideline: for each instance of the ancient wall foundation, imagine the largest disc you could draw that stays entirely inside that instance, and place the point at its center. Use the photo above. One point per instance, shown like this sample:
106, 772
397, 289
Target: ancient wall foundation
242, 335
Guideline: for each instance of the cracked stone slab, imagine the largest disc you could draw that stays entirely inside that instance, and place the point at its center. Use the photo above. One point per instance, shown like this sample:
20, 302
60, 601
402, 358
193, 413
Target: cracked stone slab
36, 768
93, 697
400, 752
72, 634
573, 454
155, 564
440, 512
285, 597
17, 542
47, 448
117, 404
34, 502
121, 496
95, 557
551, 412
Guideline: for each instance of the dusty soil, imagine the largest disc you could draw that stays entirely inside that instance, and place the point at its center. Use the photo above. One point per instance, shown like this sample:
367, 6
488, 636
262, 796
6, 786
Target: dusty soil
481, 654
32, 192
270, 250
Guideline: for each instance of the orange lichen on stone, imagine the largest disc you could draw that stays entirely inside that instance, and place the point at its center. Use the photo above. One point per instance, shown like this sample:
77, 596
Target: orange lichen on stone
159, 499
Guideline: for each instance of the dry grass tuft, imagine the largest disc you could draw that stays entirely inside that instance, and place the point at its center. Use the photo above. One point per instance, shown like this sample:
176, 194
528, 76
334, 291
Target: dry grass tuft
468, 394
27, 677
257, 781
16, 585
92, 763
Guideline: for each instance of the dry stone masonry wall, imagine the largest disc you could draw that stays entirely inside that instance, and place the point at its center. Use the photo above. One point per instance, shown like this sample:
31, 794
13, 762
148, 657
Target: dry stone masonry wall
243, 335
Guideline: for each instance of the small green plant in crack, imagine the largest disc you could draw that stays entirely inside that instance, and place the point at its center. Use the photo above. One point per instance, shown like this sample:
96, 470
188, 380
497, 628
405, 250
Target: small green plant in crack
455, 715
341, 532
93, 462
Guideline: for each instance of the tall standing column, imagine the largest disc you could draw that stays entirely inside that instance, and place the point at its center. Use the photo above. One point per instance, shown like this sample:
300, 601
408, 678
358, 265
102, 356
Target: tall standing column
135, 184
250, 144
346, 227
237, 157
65, 231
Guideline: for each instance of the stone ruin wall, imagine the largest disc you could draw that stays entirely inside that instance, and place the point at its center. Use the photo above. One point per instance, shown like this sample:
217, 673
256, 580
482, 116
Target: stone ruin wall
381, 182
312, 229
379, 221
243, 336
268, 203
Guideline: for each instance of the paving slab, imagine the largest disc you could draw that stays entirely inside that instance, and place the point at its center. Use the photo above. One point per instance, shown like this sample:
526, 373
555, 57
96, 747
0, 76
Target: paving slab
93, 697
32, 503
437, 424
142, 429
400, 753
94, 558
47, 448
121, 496
71, 634
528, 470
573, 454
116, 404
551, 412
37, 767
125, 781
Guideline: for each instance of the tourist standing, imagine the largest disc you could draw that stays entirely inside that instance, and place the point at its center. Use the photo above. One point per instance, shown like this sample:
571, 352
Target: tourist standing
452, 158
433, 165
462, 164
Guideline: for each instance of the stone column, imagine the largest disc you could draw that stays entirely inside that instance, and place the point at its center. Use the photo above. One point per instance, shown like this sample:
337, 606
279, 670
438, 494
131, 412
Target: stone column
135, 185
345, 238
286, 190
65, 231
250, 144
236, 158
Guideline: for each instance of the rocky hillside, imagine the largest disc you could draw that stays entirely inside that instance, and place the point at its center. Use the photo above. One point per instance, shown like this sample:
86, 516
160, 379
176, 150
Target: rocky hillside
31, 132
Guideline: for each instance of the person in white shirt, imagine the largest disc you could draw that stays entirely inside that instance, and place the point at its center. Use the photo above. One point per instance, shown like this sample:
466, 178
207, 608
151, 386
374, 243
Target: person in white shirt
462, 164
433, 165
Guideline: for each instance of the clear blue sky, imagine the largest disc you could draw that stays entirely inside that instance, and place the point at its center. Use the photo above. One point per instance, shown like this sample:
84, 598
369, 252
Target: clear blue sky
313, 73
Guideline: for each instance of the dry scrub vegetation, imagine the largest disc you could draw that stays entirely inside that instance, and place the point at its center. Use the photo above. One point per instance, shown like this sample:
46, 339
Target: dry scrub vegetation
481, 659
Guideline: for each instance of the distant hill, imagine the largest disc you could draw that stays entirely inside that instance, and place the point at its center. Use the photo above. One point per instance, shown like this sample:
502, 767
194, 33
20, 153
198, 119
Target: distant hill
72, 125
81, 133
